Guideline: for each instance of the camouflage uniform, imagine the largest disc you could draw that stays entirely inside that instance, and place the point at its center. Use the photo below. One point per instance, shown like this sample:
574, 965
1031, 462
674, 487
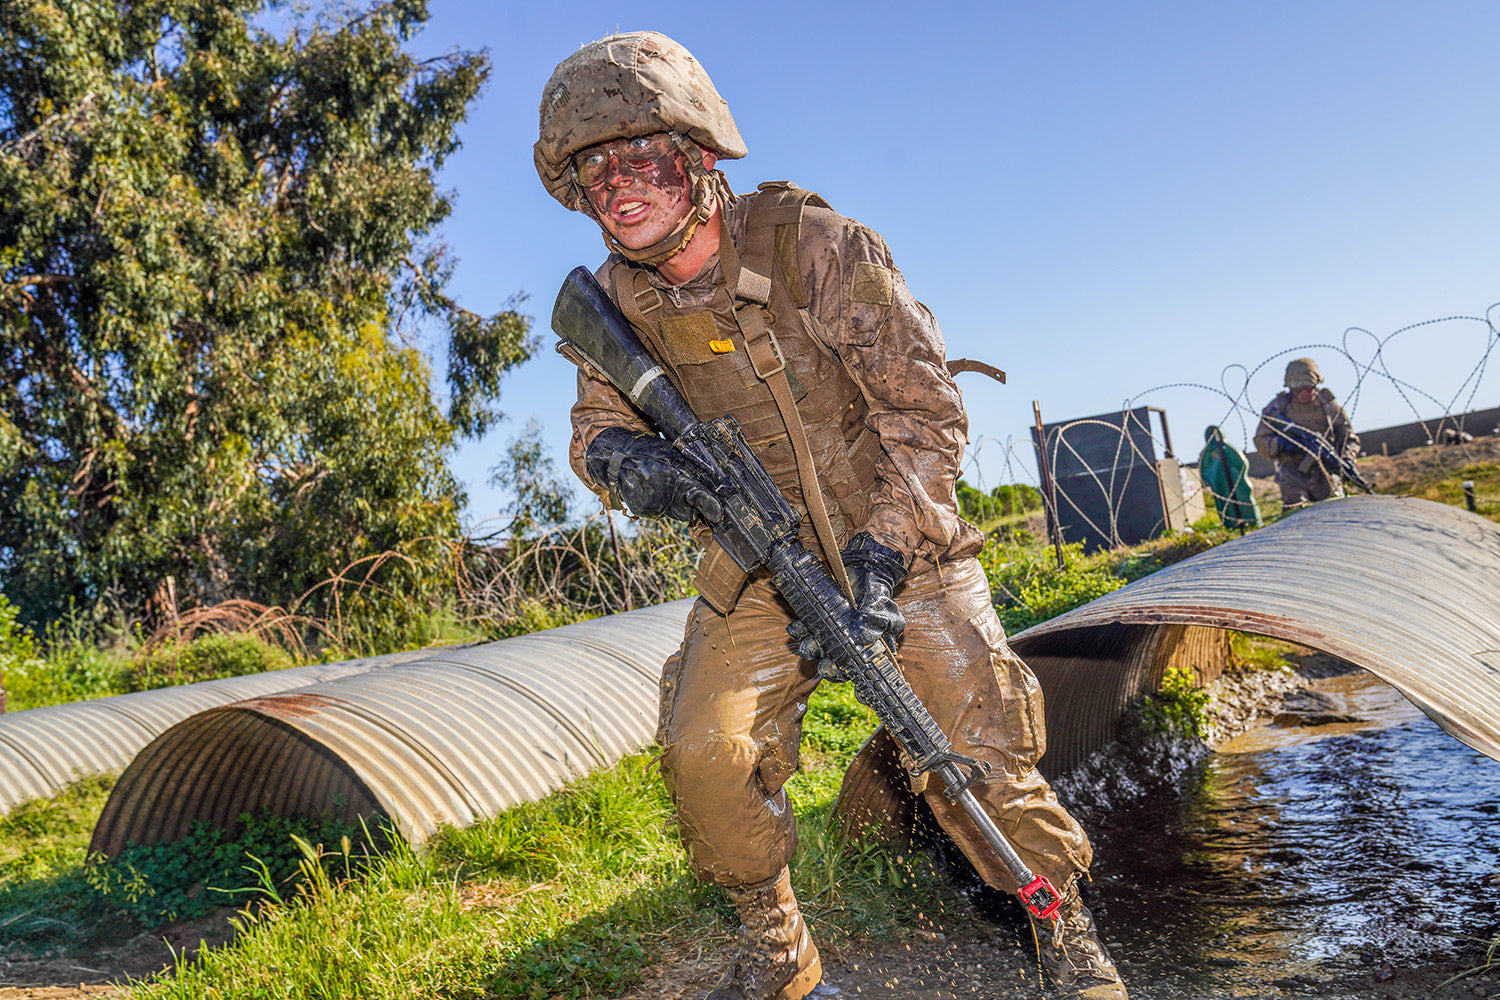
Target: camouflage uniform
887, 428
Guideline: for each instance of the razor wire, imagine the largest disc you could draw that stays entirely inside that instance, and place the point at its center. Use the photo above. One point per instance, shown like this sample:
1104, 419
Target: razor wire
1366, 354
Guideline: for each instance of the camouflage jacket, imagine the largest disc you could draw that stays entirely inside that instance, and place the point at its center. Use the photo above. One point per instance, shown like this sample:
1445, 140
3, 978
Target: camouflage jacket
866, 362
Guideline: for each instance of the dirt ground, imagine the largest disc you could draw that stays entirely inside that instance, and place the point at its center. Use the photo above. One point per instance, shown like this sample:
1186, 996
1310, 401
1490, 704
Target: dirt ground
95, 975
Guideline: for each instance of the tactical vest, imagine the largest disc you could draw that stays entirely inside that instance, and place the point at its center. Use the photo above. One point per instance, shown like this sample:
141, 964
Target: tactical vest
727, 359
753, 343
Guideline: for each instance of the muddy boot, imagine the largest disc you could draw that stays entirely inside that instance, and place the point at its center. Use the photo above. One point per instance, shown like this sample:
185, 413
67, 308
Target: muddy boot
1073, 955
777, 959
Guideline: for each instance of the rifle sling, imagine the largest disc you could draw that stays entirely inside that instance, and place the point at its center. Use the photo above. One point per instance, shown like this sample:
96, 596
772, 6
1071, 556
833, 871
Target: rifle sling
751, 294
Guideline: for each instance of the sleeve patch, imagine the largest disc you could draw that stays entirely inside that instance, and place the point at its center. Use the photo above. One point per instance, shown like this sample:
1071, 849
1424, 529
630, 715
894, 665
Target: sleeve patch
872, 284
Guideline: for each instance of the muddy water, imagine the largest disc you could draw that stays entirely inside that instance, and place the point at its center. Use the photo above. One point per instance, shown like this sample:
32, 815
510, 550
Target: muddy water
1352, 850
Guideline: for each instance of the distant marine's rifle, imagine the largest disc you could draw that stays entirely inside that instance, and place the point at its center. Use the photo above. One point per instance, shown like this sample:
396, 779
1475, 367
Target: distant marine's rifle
1317, 449
759, 528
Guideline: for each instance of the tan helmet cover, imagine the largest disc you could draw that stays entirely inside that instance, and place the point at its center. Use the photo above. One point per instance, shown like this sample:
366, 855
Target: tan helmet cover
625, 85
1302, 373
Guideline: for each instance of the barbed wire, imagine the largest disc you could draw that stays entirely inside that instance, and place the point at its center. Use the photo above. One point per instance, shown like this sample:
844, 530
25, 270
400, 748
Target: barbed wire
1365, 352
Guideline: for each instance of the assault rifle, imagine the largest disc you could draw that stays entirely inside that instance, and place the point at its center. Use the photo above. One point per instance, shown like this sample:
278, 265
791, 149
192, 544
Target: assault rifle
757, 527
1318, 449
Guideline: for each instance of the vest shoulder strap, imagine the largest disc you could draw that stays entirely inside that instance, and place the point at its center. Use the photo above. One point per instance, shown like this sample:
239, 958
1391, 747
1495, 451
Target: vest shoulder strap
771, 234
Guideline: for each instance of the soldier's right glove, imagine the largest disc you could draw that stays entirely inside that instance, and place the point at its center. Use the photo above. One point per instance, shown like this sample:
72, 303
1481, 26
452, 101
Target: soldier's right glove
648, 475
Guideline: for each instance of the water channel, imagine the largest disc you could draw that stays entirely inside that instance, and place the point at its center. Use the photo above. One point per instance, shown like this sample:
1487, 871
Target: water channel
1316, 856
1349, 850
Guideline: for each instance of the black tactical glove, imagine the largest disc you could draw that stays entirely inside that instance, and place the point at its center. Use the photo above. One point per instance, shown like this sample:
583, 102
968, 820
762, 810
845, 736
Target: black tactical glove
648, 475
875, 572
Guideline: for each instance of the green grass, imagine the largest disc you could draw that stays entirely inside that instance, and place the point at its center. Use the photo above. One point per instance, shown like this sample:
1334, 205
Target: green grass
564, 898
46, 903
66, 666
1486, 479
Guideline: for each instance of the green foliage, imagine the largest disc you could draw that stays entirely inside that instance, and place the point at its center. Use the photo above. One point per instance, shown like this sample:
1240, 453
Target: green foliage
1179, 707
67, 667
205, 658
161, 883
1028, 587
836, 724
69, 674
539, 497
532, 615
74, 669
611, 817
1003, 501
45, 902
1255, 652
1449, 489
18, 660
216, 248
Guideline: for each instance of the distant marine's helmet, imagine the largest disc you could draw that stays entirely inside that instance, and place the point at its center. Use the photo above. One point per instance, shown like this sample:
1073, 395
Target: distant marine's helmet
636, 83
1302, 373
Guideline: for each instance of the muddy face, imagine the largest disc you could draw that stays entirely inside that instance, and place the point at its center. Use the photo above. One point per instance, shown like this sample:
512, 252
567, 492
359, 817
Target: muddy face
640, 200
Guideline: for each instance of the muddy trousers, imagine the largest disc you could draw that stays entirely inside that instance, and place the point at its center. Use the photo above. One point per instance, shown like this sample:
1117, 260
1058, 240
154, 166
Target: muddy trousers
734, 696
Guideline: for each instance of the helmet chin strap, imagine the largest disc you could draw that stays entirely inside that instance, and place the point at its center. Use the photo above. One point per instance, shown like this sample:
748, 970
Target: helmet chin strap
710, 187
662, 250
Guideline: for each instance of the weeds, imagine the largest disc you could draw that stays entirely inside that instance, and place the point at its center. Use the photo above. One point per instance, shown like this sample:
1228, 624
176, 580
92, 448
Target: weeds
158, 884
46, 904
1490, 963
1028, 586
1179, 707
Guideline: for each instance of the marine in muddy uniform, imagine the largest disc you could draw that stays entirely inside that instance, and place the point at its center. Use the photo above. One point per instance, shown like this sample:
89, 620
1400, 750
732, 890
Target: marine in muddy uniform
774, 309
1301, 477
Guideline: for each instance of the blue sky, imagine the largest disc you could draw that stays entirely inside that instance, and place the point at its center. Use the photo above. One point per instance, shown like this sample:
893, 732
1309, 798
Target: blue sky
1116, 203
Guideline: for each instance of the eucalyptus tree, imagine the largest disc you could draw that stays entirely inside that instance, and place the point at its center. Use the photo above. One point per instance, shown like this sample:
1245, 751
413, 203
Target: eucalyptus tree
219, 261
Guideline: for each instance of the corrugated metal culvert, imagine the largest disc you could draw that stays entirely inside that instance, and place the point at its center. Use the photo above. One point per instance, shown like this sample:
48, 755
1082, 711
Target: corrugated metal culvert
448, 739
1405, 588
44, 749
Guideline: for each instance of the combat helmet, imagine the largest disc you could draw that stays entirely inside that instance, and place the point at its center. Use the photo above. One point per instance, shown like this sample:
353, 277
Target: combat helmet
630, 84
1302, 373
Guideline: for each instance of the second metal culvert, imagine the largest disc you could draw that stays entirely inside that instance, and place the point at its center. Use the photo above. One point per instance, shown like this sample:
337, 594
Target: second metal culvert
448, 739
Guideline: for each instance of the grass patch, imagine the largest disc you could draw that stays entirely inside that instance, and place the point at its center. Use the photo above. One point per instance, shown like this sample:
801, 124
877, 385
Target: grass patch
1029, 586
1486, 479
1257, 652
46, 903
569, 897
1179, 707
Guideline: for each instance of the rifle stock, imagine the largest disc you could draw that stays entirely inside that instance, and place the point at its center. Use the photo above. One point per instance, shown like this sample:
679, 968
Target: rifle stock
759, 528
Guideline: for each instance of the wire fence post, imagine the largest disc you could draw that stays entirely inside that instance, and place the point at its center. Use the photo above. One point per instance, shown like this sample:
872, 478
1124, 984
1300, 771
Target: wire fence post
1049, 489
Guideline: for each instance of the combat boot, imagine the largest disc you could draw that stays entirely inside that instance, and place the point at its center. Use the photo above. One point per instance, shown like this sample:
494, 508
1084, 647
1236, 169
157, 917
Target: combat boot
1073, 955
777, 959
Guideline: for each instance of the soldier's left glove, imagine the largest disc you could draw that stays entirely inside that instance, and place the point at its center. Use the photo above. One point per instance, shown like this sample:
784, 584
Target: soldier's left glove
875, 572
